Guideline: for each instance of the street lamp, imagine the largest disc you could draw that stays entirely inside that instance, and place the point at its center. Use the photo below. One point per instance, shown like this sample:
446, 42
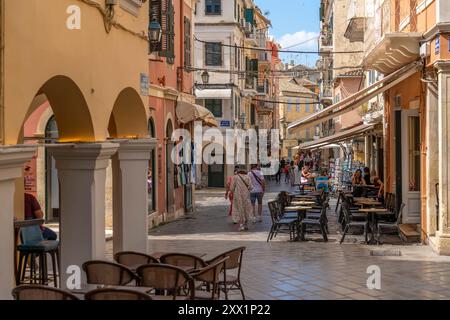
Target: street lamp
154, 34
205, 77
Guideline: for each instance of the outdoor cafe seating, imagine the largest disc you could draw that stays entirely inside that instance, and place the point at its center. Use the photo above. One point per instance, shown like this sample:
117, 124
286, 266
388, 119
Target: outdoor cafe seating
146, 277
298, 215
369, 216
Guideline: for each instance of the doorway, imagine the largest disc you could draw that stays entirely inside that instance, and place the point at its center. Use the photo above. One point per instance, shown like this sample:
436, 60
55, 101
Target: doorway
411, 164
216, 174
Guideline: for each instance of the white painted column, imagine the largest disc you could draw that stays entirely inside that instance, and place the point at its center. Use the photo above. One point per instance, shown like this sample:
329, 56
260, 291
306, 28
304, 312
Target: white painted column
443, 236
12, 160
82, 176
432, 156
130, 195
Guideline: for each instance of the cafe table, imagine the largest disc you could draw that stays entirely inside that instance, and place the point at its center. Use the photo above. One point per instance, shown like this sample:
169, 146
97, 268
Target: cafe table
303, 203
368, 203
373, 212
299, 209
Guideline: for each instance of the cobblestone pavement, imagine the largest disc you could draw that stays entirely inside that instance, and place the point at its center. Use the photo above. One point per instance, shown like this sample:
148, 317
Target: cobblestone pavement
311, 270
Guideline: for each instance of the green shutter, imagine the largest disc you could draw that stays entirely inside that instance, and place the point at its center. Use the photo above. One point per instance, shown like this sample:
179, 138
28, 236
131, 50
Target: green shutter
250, 16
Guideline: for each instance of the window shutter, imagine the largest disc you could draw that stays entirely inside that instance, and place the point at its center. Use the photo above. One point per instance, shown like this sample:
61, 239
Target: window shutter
168, 32
155, 14
250, 16
187, 42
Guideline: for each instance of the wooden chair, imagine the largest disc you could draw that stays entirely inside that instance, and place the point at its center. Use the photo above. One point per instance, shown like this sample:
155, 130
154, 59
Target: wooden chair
210, 276
184, 261
169, 282
280, 225
116, 295
320, 223
133, 260
40, 292
388, 227
349, 223
108, 273
33, 245
231, 276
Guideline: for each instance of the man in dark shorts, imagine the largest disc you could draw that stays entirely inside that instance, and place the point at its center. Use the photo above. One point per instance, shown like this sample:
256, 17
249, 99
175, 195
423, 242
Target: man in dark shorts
33, 211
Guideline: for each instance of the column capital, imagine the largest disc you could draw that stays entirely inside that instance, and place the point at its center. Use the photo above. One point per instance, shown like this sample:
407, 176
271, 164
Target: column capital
83, 156
12, 159
442, 66
135, 149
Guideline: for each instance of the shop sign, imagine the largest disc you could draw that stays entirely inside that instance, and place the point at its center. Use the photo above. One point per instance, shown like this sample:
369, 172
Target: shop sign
225, 123
144, 85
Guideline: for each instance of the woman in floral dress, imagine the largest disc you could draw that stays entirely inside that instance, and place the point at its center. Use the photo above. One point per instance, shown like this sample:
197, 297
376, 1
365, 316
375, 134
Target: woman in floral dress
242, 207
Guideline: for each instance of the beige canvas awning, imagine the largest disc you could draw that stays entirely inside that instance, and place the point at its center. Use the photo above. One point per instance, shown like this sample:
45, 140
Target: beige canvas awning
188, 112
341, 136
358, 99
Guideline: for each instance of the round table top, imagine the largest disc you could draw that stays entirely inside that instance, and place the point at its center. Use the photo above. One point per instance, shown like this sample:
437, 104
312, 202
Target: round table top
299, 208
300, 203
374, 210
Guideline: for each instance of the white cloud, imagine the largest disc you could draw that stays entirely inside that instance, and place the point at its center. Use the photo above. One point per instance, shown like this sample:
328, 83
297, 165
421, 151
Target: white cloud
291, 39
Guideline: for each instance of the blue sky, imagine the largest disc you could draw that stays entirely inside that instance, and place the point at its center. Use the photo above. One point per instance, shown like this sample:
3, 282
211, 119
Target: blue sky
294, 21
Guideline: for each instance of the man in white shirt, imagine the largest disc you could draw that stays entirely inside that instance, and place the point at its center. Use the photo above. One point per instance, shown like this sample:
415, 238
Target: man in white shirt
257, 193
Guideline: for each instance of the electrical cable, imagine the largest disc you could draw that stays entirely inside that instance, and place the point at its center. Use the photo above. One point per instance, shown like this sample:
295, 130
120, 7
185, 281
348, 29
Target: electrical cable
271, 50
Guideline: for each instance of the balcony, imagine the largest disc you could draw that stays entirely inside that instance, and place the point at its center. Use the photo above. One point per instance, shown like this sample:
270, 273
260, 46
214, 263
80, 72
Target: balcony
264, 108
387, 49
250, 35
326, 43
356, 21
326, 93
251, 86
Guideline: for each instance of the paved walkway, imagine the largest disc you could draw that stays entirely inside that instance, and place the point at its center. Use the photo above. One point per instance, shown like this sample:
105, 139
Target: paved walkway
305, 270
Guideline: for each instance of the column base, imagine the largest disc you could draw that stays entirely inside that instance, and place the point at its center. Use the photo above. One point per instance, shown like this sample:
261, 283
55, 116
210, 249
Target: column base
442, 244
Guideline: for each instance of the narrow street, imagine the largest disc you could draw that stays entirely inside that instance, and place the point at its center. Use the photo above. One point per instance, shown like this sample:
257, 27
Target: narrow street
309, 270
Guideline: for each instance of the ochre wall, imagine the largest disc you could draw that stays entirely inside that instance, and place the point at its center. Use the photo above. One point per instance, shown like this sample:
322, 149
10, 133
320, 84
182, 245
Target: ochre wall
93, 63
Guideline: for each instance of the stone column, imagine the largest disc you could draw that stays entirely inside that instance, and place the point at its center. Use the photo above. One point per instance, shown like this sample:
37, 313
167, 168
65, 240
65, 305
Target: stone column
130, 195
82, 177
443, 236
432, 157
12, 160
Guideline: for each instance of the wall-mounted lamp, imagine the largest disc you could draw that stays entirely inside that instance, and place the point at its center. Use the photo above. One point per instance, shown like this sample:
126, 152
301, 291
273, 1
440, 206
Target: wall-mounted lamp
154, 31
205, 77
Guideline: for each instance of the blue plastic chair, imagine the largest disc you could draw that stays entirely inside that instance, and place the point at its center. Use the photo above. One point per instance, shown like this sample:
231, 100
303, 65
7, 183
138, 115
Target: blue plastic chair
33, 245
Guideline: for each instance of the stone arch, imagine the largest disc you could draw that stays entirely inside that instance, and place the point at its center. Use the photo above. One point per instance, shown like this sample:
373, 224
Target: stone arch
169, 121
69, 108
129, 117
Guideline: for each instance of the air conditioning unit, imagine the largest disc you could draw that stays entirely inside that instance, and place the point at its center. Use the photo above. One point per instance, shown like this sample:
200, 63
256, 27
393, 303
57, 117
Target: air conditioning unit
425, 50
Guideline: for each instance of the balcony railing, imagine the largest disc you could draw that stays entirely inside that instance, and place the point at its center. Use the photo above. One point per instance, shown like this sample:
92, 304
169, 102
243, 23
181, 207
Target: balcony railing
326, 91
356, 21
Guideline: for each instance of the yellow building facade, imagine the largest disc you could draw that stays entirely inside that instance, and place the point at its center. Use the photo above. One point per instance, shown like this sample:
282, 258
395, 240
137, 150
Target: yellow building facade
88, 59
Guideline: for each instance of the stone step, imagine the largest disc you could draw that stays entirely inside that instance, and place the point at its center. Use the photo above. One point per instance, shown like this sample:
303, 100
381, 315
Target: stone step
410, 232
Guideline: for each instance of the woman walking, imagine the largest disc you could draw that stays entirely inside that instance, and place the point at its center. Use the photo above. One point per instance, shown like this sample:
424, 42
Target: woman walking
229, 195
242, 207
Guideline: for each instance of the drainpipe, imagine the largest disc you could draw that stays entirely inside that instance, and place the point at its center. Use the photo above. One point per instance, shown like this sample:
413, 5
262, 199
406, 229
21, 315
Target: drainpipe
2, 47
181, 36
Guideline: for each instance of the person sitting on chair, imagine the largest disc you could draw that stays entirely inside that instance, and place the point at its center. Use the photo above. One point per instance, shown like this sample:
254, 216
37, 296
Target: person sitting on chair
33, 211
